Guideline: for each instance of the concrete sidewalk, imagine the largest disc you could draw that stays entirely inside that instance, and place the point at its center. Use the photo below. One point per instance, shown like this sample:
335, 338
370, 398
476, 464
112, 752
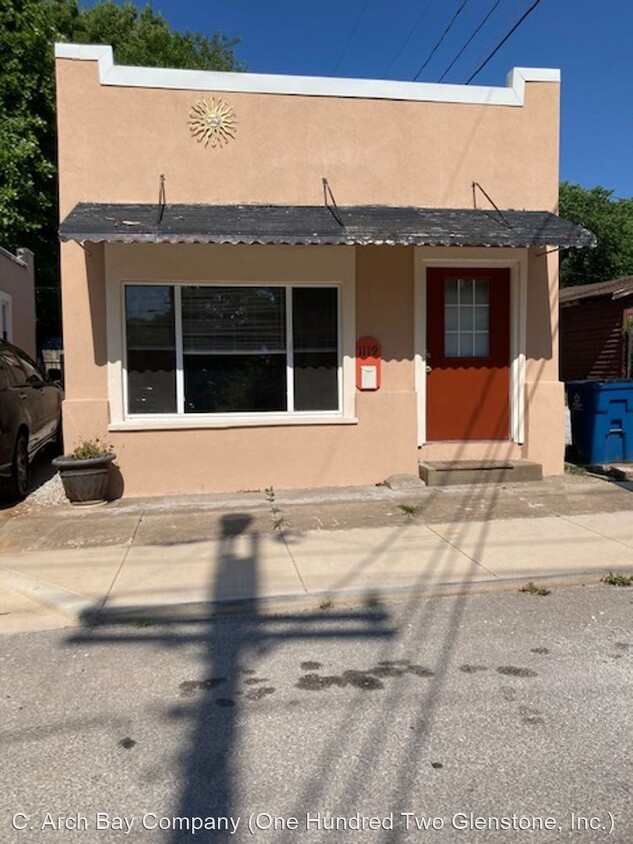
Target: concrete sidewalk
190, 556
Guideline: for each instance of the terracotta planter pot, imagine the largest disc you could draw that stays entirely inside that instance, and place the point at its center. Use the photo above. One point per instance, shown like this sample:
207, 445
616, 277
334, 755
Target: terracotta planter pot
85, 481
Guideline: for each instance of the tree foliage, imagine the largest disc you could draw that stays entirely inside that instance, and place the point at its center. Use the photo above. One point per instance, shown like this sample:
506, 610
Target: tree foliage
28, 170
611, 220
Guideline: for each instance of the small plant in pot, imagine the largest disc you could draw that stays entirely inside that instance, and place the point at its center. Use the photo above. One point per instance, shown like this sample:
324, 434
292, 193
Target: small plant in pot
85, 473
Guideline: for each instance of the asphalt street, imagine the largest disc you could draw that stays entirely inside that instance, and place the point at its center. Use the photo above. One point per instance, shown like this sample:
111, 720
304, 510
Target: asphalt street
475, 718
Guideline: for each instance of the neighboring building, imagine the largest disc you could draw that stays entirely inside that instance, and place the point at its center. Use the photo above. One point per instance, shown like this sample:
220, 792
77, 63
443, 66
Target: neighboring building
596, 330
230, 327
17, 299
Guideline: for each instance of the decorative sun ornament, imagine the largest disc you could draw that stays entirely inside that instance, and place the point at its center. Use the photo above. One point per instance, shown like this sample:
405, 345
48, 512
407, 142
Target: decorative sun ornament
212, 122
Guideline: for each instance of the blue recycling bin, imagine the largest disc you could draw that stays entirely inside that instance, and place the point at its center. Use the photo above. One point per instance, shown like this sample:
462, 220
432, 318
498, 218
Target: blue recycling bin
601, 420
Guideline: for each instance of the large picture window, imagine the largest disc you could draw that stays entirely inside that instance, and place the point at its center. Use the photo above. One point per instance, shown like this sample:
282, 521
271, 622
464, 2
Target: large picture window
212, 349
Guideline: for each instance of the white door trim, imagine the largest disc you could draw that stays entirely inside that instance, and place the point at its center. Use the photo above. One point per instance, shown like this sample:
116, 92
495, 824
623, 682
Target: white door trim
516, 260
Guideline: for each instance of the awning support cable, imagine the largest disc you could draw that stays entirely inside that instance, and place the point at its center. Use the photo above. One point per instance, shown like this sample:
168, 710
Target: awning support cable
333, 208
161, 199
490, 200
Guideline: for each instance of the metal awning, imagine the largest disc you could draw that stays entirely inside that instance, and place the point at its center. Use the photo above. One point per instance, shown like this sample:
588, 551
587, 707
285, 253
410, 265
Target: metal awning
318, 225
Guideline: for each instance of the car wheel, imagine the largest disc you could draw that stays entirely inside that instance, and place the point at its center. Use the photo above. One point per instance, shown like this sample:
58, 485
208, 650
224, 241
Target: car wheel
20, 473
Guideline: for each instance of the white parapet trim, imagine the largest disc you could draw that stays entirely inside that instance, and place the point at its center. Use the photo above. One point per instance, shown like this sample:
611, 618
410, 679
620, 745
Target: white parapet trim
316, 86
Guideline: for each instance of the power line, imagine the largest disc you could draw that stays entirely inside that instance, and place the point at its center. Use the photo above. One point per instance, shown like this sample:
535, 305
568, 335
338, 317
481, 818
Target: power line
502, 42
481, 25
517, 9
441, 38
351, 35
419, 20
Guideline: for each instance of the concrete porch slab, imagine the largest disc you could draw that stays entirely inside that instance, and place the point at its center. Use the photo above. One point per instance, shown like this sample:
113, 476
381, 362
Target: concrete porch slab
454, 472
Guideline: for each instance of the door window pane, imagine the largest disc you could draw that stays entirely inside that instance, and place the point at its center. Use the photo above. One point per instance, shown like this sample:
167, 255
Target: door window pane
466, 318
481, 345
450, 291
481, 291
451, 346
451, 321
481, 319
151, 348
315, 343
465, 291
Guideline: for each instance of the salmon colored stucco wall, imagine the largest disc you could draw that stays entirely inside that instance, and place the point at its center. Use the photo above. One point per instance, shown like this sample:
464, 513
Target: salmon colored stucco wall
17, 280
379, 442
114, 143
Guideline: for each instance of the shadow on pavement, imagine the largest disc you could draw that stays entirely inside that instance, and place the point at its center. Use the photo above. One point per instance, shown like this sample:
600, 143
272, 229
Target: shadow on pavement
212, 704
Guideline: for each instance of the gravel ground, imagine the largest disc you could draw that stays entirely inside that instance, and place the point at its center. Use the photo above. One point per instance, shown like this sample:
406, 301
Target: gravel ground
48, 493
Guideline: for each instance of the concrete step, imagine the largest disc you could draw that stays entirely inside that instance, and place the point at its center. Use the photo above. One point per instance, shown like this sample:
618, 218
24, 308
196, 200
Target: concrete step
453, 472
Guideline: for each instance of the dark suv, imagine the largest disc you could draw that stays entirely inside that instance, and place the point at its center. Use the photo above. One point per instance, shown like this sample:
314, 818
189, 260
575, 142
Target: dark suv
30, 417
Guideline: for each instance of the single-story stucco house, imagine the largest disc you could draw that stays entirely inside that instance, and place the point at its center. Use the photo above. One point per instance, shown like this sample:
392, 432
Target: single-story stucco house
298, 282
17, 299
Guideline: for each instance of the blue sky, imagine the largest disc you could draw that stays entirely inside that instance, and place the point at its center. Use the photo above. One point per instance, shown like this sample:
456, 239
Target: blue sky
589, 40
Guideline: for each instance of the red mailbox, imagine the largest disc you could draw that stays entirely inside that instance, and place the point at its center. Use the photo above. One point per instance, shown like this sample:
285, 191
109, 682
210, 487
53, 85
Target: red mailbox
368, 358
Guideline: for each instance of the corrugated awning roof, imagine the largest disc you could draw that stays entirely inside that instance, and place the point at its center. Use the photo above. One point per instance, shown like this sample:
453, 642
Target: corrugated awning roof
318, 224
618, 288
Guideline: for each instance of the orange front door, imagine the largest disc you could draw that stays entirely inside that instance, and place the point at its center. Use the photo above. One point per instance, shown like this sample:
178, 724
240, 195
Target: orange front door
468, 354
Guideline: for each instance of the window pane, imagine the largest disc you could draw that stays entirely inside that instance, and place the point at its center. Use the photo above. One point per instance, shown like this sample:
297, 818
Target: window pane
466, 345
227, 383
466, 319
481, 291
466, 323
450, 318
450, 345
450, 292
316, 380
314, 318
234, 319
315, 341
466, 291
481, 319
481, 345
151, 348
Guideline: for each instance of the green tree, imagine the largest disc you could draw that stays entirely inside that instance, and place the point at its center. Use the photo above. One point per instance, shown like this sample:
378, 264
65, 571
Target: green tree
611, 220
28, 169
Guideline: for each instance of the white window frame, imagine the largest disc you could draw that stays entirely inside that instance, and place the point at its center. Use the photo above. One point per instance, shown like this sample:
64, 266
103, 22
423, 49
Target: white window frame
122, 265
6, 308
288, 287
515, 260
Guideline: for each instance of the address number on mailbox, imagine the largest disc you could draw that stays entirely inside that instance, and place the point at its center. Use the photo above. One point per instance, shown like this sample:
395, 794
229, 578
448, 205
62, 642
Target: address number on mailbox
368, 359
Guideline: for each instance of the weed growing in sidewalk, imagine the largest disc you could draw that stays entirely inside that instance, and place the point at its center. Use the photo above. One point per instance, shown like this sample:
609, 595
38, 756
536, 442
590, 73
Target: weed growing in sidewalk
326, 604
142, 622
532, 589
574, 469
411, 511
278, 519
615, 579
